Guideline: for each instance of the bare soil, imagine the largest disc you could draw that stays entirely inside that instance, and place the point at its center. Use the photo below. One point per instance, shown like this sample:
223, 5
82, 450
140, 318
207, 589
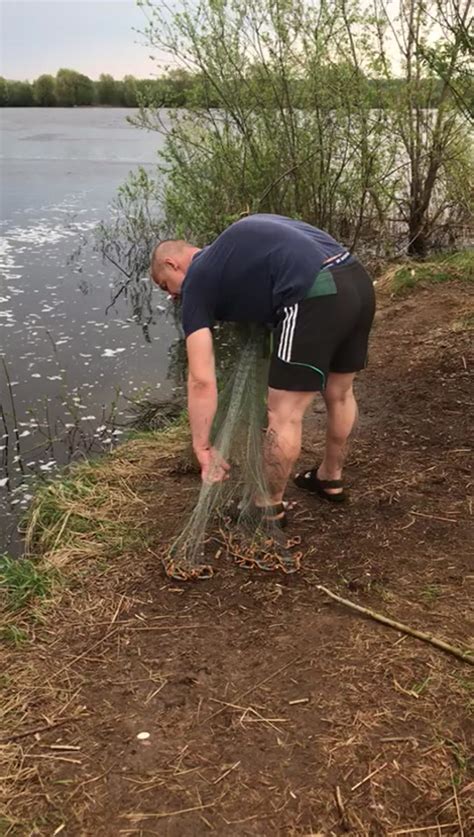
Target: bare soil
272, 710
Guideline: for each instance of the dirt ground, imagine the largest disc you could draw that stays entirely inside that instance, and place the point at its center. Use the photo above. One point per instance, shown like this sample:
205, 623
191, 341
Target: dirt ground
270, 709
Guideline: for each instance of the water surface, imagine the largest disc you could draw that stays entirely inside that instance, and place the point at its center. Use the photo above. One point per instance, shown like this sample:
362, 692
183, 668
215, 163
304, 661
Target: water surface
71, 365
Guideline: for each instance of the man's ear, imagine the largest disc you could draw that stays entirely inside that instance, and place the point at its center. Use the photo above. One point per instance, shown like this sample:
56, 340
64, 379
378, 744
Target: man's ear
170, 262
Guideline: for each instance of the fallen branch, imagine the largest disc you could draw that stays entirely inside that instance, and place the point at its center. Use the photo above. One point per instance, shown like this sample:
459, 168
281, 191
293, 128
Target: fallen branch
465, 656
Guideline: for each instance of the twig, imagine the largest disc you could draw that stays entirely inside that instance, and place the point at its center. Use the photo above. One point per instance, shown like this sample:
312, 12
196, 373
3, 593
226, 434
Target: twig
435, 517
138, 817
252, 688
122, 287
15, 420
445, 804
114, 617
366, 779
456, 802
465, 656
419, 830
34, 730
282, 177
7, 439
84, 654
226, 773
52, 756
63, 747
341, 808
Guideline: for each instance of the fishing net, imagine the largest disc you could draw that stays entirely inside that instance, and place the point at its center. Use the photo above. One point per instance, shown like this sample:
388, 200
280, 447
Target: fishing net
224, 522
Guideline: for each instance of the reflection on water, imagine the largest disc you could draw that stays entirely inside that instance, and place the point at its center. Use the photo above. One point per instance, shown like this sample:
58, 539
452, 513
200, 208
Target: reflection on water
73, 349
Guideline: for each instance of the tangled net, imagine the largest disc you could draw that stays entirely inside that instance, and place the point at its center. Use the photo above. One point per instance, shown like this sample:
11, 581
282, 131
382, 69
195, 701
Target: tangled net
224, 522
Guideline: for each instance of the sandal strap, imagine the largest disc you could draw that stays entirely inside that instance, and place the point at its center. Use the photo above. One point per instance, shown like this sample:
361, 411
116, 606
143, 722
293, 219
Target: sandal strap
330, 483
312, 474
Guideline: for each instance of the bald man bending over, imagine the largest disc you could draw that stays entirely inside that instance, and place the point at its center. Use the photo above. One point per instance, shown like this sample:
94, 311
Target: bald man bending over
320, 303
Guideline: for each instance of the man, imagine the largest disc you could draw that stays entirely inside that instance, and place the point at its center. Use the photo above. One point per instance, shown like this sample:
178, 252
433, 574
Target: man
319, 301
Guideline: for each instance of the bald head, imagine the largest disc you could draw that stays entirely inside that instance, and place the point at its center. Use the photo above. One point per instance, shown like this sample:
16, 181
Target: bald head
170, 260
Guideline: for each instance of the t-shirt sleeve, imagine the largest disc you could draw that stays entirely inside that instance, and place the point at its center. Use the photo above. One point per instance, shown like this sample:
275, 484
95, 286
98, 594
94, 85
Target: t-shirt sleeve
197, 309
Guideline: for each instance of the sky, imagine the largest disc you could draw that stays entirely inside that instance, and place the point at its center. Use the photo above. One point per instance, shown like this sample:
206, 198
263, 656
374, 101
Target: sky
91, 36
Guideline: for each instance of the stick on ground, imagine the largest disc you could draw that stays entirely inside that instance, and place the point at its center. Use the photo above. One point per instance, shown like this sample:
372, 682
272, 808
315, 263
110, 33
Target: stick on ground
465, 656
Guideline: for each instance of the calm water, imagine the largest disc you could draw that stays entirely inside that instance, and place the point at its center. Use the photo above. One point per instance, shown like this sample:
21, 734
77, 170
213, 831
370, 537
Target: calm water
71, 365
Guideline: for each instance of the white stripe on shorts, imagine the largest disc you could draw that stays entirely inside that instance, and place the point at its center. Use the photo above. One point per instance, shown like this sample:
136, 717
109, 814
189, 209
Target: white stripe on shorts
287, 333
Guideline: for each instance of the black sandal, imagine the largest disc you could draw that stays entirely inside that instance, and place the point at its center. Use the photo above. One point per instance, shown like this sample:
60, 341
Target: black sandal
309, 481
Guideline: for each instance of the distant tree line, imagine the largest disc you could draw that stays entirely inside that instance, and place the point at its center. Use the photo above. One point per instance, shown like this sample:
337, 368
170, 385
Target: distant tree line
179, 88
72, 89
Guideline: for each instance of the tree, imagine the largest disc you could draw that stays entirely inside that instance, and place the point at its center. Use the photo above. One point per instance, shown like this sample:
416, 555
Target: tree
453, 60
129, 92
106, 90
3, 92
327, 111
73, 89
44, 91
425, 117
20, 94
283, 124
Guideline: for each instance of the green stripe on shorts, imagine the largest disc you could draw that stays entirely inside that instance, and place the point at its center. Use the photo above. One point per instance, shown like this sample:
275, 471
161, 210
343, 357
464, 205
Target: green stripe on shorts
323, 285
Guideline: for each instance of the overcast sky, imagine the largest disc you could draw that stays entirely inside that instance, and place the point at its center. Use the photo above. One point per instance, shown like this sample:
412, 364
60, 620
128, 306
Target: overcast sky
92, 36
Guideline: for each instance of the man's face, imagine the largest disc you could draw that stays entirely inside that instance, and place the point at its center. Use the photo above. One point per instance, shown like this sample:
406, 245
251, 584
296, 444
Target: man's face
170, 278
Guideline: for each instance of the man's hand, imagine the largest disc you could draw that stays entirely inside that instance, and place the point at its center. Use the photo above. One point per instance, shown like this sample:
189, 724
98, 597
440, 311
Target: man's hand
213, 467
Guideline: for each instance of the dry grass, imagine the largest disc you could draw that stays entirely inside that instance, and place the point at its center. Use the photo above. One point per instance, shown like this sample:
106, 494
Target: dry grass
101, 509
402, 277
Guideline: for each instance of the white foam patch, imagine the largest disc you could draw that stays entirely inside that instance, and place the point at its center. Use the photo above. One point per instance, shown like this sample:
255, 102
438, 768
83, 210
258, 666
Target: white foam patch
48, 466
111, 352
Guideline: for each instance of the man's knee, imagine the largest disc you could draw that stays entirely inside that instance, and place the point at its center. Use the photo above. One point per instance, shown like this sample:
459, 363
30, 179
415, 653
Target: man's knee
287, 407
339, 388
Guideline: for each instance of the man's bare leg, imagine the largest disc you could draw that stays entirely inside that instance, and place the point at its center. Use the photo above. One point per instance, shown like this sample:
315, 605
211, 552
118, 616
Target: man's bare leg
283, 440
341, 408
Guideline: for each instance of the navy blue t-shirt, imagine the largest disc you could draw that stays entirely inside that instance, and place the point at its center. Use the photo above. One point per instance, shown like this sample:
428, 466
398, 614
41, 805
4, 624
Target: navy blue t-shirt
254, 268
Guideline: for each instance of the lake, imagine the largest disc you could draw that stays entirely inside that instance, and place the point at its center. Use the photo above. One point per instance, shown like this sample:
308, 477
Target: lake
71, 366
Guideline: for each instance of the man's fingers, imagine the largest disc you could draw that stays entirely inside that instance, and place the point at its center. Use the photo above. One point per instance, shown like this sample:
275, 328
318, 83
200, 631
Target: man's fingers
211, 475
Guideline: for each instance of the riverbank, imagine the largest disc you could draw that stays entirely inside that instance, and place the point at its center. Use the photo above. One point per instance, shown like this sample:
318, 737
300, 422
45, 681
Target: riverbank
269, 709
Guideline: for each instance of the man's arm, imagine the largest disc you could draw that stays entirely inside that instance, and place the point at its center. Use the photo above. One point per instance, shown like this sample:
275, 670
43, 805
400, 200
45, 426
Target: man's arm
202, 391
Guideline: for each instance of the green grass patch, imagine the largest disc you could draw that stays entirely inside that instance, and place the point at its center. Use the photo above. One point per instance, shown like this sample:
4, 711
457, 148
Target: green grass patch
430, 593
438, 269
13, 635
22, 581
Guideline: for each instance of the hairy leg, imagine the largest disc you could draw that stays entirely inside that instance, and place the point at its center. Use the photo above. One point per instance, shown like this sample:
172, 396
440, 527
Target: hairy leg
341, 408
283, 439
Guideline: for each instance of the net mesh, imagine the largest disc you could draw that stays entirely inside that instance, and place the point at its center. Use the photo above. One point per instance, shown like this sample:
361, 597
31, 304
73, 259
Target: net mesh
224, 522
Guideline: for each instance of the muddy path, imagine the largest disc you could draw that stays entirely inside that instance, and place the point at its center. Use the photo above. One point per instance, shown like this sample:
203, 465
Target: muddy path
269, 708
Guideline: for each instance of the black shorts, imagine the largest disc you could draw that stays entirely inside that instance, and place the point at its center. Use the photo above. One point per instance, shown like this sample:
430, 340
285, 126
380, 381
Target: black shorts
326, 332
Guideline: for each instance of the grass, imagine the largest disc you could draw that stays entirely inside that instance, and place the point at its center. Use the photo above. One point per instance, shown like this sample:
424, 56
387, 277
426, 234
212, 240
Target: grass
103, 508
100, 509
430, 593
438, 269
419, 688
21, 581
13, 635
